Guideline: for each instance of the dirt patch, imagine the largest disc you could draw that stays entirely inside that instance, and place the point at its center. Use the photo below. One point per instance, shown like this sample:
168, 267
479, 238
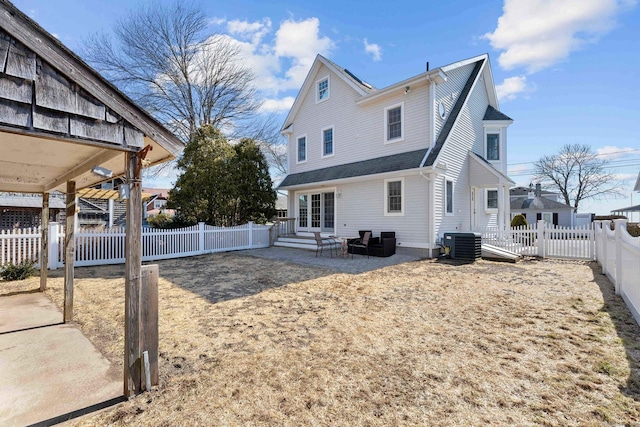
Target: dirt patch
251, 341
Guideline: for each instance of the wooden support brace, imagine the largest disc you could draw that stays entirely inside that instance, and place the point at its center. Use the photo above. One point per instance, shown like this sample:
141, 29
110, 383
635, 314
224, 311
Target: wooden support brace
44, 242
133, 269
149, 319
69, 250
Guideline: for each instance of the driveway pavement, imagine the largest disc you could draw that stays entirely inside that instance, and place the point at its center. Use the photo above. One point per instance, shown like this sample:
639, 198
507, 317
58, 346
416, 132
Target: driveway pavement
48, 369
345, 264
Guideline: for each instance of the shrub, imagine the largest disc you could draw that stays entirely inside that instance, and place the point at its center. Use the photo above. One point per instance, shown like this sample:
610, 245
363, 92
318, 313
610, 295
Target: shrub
519, 220
162, 220
634, 229
18, 271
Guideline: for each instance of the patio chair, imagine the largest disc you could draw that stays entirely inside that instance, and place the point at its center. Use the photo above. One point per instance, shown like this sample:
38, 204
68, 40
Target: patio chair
322, 242
362, 243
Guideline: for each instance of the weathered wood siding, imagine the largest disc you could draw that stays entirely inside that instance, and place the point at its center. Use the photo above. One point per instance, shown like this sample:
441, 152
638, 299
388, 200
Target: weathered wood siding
36, 96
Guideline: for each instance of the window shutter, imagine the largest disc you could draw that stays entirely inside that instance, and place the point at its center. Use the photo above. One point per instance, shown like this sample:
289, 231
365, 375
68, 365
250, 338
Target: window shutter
555, 218
538, 216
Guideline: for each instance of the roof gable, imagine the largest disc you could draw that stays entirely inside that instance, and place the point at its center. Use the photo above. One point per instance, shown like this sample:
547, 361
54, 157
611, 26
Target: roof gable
358, 85
493, 114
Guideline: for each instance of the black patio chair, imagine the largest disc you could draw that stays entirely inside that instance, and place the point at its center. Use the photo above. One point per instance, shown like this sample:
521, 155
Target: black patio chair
362, 243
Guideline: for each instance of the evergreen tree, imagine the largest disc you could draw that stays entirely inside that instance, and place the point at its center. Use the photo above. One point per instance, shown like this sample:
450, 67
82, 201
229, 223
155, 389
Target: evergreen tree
256, 197
221, 184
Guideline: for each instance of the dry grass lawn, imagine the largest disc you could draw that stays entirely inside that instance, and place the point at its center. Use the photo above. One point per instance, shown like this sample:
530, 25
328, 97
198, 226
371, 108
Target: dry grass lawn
247, 341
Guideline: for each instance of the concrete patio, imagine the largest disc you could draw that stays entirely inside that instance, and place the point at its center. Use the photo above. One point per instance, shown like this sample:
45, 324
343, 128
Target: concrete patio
50, 371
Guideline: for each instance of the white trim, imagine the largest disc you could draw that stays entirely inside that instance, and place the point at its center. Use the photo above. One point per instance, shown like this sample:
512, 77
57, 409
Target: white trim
386, 123
320, 80
306, 149
453, 198
333, 142
386, 197
487, 209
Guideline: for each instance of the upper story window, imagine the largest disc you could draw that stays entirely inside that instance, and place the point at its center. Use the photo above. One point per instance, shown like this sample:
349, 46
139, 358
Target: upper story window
492, 200
493, 146
322, 89
394, 123
448, 210
302, 149
327, 142
393, 200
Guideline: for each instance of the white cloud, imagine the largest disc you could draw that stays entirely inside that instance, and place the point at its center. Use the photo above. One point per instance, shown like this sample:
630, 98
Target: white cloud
612, 152
512, 86
277, 105
300, 41
374, 49
537, 34
253, 31
217, 21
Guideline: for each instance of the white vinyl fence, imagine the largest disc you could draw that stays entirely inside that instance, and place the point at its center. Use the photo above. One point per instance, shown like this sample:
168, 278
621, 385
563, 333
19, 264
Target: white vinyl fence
545, 240
618, 253
101, 247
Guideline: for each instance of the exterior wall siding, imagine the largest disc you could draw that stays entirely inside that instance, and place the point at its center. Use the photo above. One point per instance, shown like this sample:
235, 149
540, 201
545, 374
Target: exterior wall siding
359, 131
448, 92
467, 135
360, 206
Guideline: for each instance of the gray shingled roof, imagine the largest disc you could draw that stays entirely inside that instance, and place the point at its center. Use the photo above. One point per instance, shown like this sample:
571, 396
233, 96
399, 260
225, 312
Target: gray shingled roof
493, 114
538, 203
396, 162
349, 75
453, 115
29, 201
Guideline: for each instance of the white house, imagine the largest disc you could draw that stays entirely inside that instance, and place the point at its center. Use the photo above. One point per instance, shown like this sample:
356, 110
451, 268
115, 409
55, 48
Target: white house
422, 157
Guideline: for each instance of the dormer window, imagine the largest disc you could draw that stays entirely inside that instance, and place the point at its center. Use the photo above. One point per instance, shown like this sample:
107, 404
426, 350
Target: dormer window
493, 146
322, 86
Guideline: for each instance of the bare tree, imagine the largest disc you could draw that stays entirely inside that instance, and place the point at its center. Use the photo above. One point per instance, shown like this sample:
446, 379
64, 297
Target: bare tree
577, 173
164, 58
273, 145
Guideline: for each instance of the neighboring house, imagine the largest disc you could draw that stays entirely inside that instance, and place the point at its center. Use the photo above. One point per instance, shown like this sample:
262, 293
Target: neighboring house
421, 157
536, 206
516, 192
281, 206
631, 212
156, 202
18, 210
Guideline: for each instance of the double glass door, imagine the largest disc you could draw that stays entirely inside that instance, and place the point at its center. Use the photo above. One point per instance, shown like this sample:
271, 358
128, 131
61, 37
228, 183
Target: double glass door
316, 212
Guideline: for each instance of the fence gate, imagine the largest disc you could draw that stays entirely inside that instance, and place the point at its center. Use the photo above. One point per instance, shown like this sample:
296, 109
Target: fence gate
544, 240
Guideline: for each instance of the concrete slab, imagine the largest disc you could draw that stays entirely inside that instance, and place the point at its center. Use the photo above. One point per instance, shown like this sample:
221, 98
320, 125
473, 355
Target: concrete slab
25, 311
48, 371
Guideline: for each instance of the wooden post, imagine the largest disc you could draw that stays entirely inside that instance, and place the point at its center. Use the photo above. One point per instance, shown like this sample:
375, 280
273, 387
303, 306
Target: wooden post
44, 242
149, 319
69, 250
133, 267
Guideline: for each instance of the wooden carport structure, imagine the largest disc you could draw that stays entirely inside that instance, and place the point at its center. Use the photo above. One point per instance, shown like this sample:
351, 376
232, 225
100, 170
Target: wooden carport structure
59, 119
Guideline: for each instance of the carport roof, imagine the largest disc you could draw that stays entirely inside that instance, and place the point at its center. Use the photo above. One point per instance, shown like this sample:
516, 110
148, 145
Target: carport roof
59, 118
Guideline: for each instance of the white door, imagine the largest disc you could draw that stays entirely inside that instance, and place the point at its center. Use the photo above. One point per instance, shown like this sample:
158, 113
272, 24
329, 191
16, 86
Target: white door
316, 212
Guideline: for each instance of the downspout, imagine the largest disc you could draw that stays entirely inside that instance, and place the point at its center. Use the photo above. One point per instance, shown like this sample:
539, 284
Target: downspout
432, 111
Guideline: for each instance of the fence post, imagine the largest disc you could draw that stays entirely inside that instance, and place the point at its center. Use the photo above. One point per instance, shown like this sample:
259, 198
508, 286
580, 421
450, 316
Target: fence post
201, 237
250, 234
540, 227
606, 226
619, 223
54, 240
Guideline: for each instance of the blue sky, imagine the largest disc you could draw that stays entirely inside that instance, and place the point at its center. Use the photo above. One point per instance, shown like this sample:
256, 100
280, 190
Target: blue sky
566, 70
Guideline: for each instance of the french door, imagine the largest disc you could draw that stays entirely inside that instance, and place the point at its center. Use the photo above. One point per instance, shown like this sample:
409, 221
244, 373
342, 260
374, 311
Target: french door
316, 211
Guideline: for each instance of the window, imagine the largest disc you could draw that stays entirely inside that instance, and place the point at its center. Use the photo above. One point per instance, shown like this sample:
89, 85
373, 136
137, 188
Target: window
323, 89
448, 197
493, 146
547, 217
329, 199
394, 123
302, 149
327, 142
492, 200
393, 200
158, 204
